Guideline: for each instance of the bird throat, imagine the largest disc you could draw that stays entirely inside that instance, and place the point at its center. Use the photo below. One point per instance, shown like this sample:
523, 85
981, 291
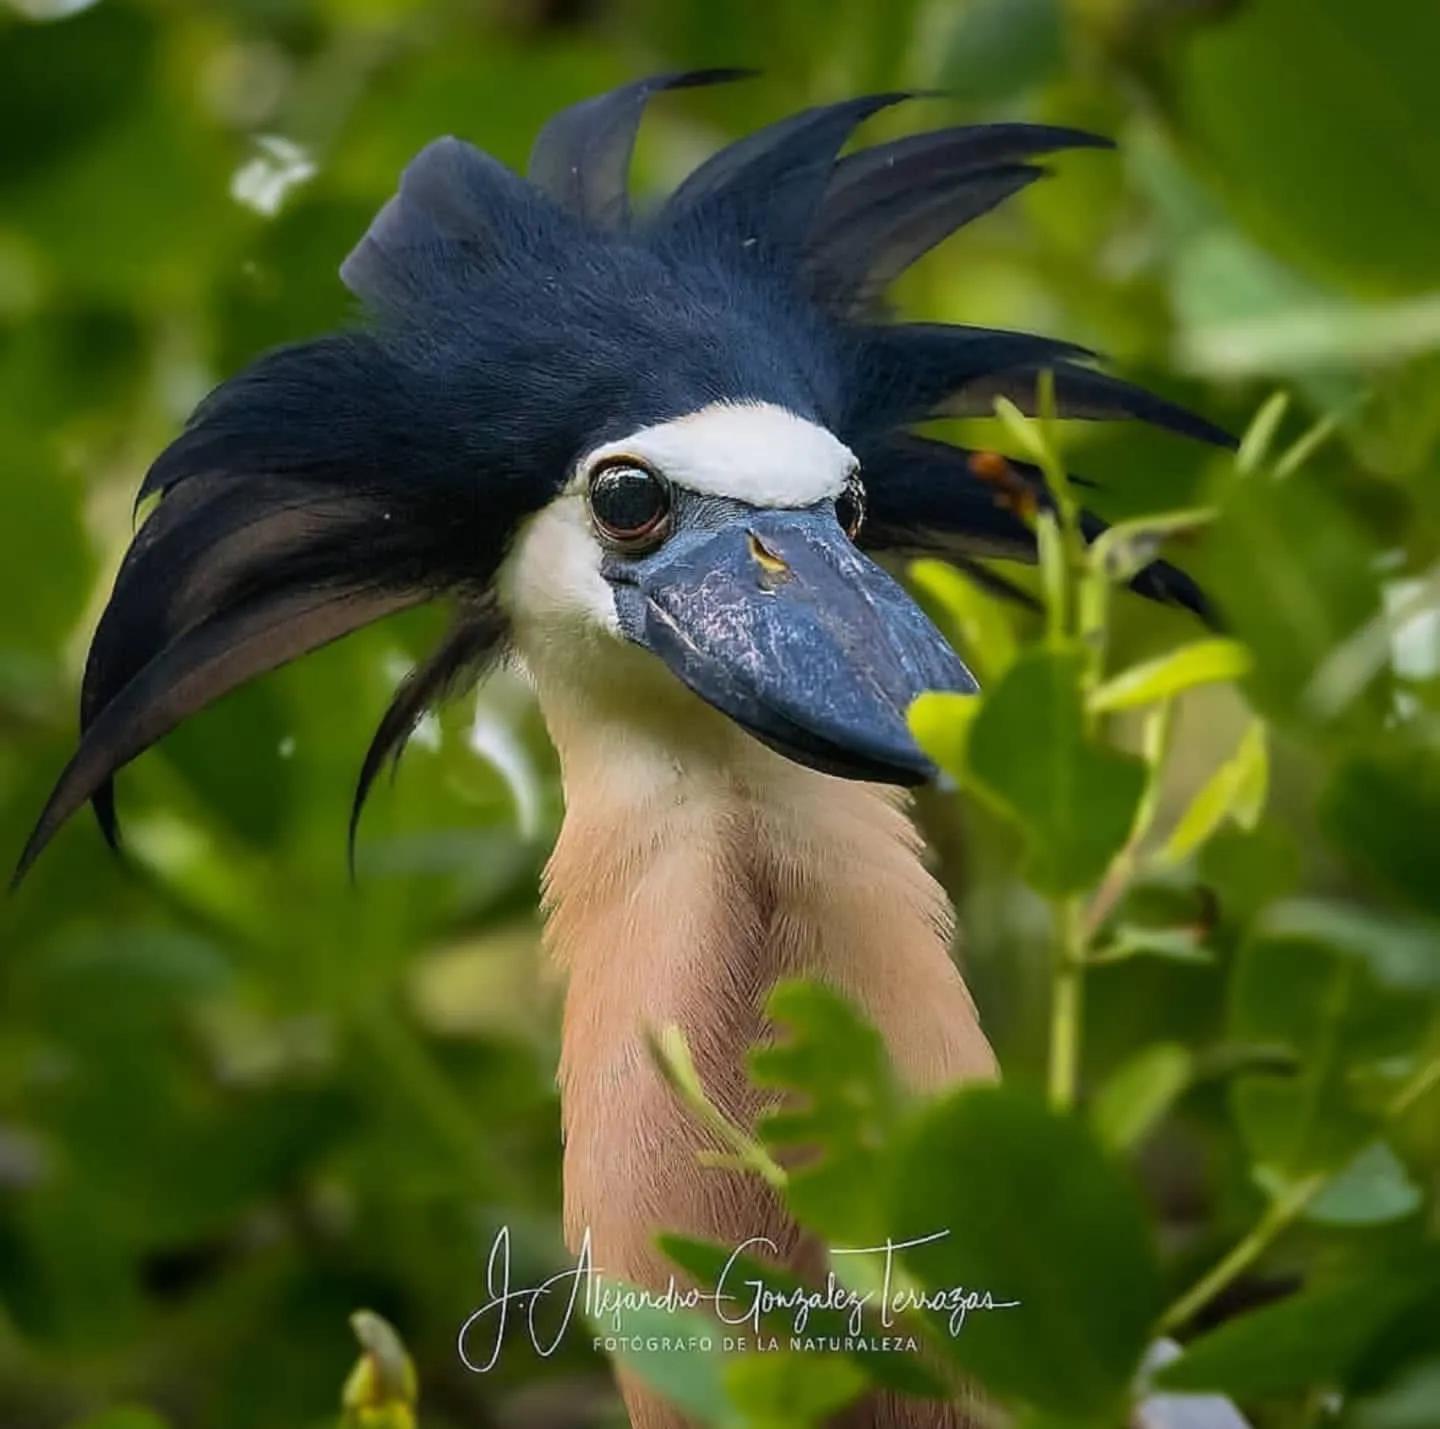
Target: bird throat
691, 873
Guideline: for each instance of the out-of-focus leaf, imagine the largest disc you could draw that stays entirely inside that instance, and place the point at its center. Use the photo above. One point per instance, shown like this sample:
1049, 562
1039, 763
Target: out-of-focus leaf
45, 561
289, 286
1314, 1338
837, 1065
1028, 752
125, 972
1236, 790
1297, 989
718, 1268
781, 1388
1322, 334
973, 620
1127, 547
1201, 663
1408, 1403
1248, 868
252, 785
1139, 1092
1026, 1206
691, 1378
1382, 807
1397, 430
62, 85
1401, 954
158, 251
1000, 47
1292, 575
1374, 1188
1343, 183
1255, 446
941, 724
1176, 945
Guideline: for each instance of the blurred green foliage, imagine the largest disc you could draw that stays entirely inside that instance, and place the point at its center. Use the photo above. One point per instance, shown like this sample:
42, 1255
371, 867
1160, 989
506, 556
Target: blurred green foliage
240, 1096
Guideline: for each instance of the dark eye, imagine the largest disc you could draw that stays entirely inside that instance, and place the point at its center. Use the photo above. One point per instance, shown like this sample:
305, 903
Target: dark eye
850, 507
630, 505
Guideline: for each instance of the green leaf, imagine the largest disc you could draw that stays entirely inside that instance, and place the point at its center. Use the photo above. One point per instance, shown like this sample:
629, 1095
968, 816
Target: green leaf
1345, 98
1259, 438
1315, 1338
1028, 751
690, 1374
1374, 1188
941, 725
1401, 954
45, 559
1249, 868
1408, 1403
1139, 1092
1236, 790
998, 48
780, 1389
1294, 577
741, 1279
1381, 809
1297, 988
973, 620
1201, 663
1175, 945
1053, 550
1029, 1209
65, 85
841, 1115
1316, 332
1124, 549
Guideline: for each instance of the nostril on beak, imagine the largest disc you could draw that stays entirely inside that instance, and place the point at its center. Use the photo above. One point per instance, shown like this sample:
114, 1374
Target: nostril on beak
773, 570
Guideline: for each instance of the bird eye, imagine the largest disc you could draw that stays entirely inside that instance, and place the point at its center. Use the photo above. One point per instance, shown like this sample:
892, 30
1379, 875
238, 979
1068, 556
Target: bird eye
630, 505
850, 507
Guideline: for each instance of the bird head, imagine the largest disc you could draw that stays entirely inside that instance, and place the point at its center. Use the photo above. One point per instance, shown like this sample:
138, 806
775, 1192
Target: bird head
641, 449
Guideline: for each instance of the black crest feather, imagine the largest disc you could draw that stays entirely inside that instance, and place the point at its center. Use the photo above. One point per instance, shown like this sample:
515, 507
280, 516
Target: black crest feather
581, 158
517, 322
472, 641
886, 206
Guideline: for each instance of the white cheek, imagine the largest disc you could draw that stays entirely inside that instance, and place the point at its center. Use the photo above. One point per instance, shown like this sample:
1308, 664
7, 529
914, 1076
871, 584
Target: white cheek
550, 584
612, 708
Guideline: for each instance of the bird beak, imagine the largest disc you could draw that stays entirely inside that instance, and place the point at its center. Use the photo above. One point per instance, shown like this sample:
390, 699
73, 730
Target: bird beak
781, 623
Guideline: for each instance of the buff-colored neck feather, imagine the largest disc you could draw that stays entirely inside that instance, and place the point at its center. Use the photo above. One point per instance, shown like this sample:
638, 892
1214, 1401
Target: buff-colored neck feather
690, 875
694, 869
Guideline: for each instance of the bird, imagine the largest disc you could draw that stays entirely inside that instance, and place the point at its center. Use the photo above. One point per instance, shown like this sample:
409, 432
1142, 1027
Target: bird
663, 458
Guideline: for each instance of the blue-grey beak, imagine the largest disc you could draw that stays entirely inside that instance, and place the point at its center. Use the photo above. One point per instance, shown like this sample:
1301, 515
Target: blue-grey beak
777, 620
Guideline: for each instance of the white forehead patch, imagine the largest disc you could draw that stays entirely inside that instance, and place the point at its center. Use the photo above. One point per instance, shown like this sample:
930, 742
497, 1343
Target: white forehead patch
753, 452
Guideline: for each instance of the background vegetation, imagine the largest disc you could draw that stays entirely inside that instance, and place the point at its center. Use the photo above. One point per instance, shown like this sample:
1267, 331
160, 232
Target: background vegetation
240, 1097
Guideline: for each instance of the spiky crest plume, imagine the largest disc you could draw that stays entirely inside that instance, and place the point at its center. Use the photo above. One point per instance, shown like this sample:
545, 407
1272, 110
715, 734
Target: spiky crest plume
517, 323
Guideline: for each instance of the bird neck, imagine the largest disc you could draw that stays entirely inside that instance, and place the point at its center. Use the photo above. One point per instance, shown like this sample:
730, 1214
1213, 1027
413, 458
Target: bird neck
694, 869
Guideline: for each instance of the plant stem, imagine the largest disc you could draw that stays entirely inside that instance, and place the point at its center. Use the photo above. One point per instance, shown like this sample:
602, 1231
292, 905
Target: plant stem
1282, 1211
1278, 1215
1066, 1001
1158, 729
1425, 1080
